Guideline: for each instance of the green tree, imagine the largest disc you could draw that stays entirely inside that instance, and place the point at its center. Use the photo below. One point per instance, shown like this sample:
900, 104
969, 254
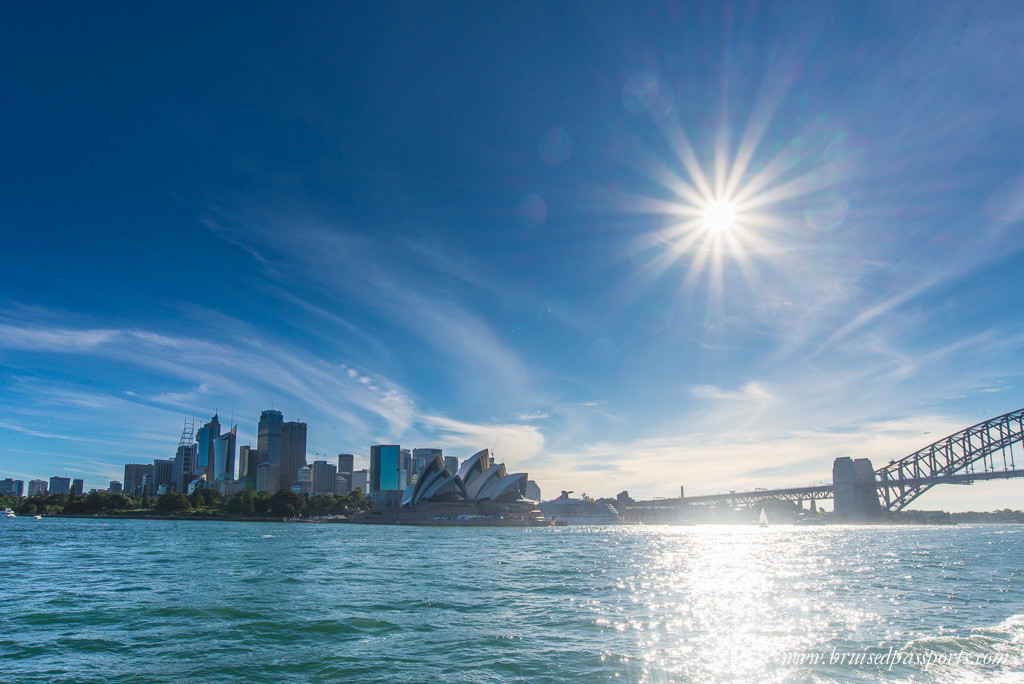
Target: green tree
261, 502
285, 503
248, 503
172, 502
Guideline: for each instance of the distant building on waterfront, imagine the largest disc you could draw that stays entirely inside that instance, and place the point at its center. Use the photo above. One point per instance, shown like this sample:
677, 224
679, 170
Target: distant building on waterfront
115, 487
360, 480
346, 463
37, 488
342, 484
268, 442
303, 480
248, 461
324, 477
451, 463
293, 452
205, 439
386, 473
163, 476
267, 477
224, 455
78, 486
60, 485
133, 474
184, 465
11, 487
532, 491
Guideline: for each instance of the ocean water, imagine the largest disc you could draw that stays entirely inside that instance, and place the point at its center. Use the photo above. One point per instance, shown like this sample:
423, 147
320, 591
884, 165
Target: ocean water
164, 601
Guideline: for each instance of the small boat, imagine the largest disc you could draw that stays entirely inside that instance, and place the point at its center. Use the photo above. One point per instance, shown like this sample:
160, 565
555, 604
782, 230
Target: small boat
764, 519
8, 513
38, 517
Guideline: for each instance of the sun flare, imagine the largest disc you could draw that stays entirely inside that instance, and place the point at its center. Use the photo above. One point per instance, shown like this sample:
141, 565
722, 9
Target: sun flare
719, 216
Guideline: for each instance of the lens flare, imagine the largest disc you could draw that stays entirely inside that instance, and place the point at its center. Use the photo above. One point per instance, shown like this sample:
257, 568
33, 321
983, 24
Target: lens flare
719, 216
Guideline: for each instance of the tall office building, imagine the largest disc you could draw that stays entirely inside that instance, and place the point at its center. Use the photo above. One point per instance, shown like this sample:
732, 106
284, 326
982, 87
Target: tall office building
133, 473
205, 438
248, 460
163, 476
386, 472
293, 452
267, 478
116, 487
224, 456
341, 484
360, 480
78, 486
11, 487
452, 464
184, 466
346, 462
303, 480
325, 477
37, 488
268, 436
60, 485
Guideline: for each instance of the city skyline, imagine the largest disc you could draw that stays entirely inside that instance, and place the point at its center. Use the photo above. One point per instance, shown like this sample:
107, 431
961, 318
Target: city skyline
623, 246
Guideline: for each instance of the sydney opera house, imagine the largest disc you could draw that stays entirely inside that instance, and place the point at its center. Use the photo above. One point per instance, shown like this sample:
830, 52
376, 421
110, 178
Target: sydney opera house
477, 481
480, 492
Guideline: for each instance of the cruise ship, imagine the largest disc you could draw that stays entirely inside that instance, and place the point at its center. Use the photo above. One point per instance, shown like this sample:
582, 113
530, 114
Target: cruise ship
579, 511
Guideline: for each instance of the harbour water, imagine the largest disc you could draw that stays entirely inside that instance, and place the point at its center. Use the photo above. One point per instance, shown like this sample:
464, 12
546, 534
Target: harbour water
164, 601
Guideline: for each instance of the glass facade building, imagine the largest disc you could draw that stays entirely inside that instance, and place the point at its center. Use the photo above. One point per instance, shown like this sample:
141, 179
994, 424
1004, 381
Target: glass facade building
386, 472
224, 455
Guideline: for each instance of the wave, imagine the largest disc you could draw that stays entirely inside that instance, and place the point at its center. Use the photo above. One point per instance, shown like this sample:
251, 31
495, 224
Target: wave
990, 654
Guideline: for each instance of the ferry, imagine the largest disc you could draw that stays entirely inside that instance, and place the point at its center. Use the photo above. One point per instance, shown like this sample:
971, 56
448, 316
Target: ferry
579, 511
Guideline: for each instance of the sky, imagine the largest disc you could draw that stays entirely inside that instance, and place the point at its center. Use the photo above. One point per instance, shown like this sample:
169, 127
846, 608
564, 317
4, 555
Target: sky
626, 246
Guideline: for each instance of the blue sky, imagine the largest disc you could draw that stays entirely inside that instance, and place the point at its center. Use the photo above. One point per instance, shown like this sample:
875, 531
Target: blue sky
476, 224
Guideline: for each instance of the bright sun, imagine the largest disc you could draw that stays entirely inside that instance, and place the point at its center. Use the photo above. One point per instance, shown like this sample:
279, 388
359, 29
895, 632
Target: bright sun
719, 216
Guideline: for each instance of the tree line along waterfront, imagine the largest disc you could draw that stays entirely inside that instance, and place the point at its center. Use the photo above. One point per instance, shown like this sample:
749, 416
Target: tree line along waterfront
202, 503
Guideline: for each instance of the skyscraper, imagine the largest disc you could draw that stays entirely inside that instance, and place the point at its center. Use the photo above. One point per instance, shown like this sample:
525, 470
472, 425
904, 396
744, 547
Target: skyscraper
205, 438
268, 436
37, 488
184, 466
78, 486
224, 456
346, 462
248, 460
386, 472
60, 485
12, 487
303, 480
163, 475
325, 477
133, 473
293, 452
267, 478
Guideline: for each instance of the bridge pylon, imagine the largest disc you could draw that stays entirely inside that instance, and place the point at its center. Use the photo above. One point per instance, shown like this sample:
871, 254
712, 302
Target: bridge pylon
854, 490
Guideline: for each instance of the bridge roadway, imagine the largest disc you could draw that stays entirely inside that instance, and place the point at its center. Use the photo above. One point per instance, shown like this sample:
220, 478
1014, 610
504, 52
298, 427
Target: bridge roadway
981, 452
815, 492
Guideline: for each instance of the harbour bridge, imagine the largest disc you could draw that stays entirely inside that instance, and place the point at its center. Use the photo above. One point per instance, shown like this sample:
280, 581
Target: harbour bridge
981, 452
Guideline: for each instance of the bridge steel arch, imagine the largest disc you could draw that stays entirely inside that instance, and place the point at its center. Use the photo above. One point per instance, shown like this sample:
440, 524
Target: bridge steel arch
954, 459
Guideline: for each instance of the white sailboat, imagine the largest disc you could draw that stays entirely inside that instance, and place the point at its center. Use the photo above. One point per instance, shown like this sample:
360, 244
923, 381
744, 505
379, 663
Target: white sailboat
764, 518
